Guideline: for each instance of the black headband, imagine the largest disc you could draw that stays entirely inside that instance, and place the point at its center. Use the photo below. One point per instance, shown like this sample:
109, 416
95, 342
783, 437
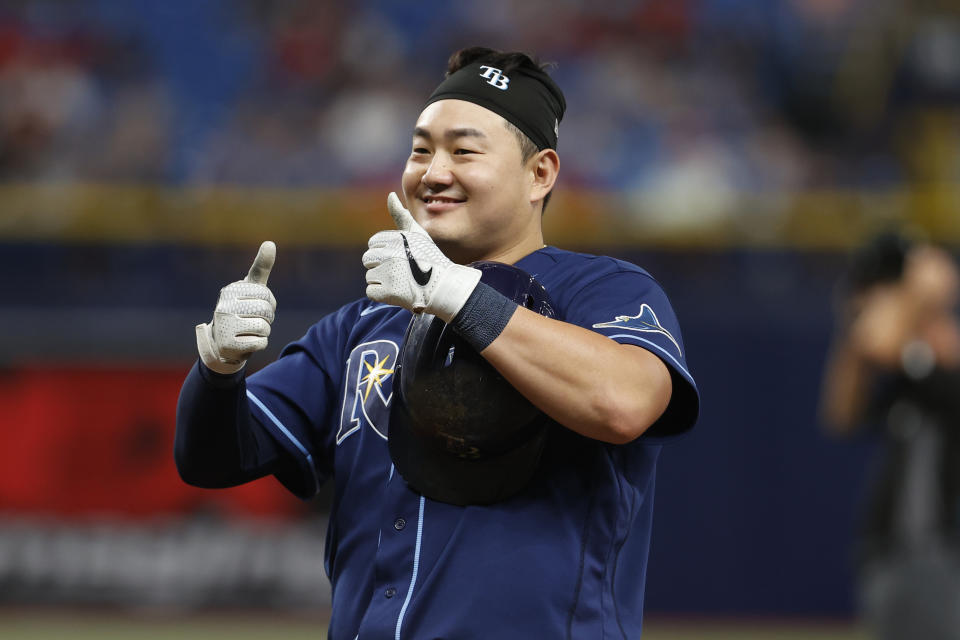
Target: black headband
527, 98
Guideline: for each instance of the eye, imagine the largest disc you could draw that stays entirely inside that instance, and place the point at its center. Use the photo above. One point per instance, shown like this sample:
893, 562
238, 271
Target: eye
463, 152
420, 150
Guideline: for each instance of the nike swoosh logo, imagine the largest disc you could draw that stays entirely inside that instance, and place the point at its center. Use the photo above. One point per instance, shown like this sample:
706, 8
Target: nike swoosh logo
419, 275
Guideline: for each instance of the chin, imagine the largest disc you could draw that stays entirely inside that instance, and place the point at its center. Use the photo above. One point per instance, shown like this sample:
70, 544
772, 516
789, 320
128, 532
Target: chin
442, 230
454, 250
458, 251
455, 237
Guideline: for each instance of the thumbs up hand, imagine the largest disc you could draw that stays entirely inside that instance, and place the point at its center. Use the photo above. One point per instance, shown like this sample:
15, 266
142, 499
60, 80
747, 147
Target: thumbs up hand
406, 268
242, 318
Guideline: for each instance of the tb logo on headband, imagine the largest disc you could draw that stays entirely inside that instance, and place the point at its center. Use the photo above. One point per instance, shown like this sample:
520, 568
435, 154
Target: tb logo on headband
495, 77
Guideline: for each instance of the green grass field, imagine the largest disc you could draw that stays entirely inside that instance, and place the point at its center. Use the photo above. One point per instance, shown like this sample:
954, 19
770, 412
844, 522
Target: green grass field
54, 625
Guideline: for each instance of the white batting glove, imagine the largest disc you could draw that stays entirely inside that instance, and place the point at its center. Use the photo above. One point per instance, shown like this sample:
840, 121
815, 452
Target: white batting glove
241, 321
406, 268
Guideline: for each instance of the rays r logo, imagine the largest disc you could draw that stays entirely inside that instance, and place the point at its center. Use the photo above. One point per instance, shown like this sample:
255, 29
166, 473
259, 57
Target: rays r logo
368, 388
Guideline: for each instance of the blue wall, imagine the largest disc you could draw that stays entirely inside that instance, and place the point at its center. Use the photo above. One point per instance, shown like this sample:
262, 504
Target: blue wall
756, 510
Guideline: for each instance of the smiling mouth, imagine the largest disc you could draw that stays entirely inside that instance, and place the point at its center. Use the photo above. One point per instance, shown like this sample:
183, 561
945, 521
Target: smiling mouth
440, 200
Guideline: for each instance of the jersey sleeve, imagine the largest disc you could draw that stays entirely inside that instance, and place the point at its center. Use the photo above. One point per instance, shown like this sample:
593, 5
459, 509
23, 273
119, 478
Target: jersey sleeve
217, 443
630, 307
293, 398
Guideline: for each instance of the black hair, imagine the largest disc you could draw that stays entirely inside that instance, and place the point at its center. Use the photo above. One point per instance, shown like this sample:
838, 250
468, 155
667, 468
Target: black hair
879, 261
506, 61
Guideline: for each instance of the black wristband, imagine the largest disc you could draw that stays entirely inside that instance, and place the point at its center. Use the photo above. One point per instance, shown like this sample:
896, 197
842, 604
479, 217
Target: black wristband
483, 316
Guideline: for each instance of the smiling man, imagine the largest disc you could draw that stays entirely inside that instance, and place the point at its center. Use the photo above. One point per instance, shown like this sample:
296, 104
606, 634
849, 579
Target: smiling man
565, 554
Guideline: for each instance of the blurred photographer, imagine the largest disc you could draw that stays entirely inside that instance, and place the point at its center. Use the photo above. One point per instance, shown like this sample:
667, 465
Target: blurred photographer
894, 371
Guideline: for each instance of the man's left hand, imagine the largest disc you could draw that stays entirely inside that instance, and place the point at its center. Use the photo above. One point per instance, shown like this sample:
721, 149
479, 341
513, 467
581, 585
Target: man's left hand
406, 268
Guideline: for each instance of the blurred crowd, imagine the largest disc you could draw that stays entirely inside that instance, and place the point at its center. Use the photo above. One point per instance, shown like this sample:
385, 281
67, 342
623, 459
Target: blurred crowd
731, 95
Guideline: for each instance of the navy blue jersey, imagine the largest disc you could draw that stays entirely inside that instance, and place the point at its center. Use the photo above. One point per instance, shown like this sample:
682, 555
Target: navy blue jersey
565, 558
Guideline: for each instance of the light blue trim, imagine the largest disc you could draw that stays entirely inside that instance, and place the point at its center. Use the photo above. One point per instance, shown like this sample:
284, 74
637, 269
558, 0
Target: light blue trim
290, 437
373, 308
416, 568
655, 346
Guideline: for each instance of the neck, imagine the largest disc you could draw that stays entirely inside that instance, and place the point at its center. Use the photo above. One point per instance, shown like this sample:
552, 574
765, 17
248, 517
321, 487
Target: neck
507, 254
510, 255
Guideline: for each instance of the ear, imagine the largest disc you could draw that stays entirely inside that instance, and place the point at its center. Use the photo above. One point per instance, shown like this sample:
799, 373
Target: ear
545, 166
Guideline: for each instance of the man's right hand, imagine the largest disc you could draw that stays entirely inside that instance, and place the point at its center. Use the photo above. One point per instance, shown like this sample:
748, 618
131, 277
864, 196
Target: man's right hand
241, 321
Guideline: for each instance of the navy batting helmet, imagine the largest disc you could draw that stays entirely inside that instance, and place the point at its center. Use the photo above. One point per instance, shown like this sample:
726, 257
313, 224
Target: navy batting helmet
459, 432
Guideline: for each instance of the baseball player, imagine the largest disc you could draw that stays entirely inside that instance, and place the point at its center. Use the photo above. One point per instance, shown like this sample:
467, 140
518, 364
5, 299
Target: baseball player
565, 557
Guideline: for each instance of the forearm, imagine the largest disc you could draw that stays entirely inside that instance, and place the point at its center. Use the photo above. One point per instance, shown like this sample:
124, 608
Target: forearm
218, 444
846, 383
588, 383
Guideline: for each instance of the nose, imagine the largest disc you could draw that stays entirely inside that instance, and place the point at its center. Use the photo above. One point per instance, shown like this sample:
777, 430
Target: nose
438, 175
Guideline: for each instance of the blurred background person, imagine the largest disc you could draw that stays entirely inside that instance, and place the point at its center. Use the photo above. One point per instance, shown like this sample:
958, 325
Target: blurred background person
894, 370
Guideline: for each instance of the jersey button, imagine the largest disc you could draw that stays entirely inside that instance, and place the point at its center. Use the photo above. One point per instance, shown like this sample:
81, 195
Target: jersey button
390, 592
399, 524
